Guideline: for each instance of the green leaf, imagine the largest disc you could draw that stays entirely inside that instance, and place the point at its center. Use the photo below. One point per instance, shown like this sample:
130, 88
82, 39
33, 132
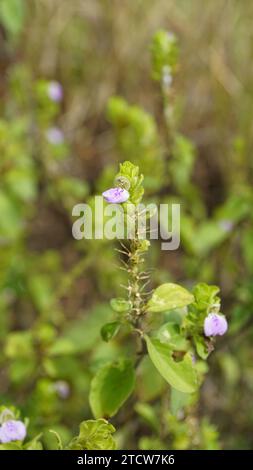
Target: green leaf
168, 297
62, 346
109, 330
58, 439
181, 165
94, 435
205, 296
83, 333
10, 446
111, 387
12, 14
178, 400
120, 305
169, 333
19, 345
150, 384
34, 444
11, 218
205, 301
180, 375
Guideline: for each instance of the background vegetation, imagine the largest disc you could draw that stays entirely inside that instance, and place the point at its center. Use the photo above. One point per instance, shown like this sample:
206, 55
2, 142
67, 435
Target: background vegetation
194, 146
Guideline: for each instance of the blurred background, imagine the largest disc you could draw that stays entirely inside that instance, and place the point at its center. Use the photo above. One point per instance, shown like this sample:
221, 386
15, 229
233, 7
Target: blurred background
79, 95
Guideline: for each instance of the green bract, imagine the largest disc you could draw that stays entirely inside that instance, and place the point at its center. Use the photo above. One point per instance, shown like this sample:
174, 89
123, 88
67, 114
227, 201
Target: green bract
94, 435
131, 173
205, 301
109, 330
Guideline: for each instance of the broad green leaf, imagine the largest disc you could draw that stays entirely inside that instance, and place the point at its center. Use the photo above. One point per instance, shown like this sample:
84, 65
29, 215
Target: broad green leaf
109, 330
111, 387
180, 375
168, 297
94, 435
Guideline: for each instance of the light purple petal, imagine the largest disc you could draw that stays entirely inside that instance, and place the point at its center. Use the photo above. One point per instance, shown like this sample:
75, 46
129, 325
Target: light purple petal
62, 389
55, 136
12, 430
215, 325
55, 91
116, 195
226, 225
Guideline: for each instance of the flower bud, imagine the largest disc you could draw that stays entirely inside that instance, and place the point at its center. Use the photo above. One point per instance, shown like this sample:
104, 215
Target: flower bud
122, 182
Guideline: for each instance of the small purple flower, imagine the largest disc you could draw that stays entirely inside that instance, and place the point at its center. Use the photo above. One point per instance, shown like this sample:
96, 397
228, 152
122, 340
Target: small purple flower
12, 431
116, 195
55, 91
62, 389
215, 325
55, 136
226, 225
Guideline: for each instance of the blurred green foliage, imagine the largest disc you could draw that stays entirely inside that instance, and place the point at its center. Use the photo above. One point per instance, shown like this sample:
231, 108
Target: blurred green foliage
181, 110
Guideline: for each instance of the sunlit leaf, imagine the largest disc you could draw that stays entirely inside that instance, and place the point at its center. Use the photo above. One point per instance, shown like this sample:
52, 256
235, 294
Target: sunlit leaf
180, 375
168, 297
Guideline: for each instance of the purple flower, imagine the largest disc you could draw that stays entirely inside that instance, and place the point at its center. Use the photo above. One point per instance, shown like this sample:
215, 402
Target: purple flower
55, 91
215, 325
62, 388
55, 136
12, 431
226, 225
116, 195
